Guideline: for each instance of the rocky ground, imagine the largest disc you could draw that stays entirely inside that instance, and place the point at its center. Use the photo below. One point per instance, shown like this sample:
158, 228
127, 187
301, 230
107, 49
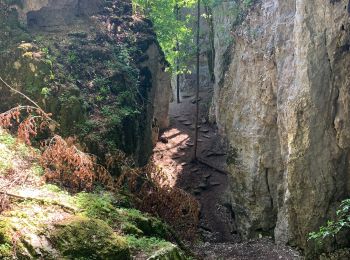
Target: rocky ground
207, 180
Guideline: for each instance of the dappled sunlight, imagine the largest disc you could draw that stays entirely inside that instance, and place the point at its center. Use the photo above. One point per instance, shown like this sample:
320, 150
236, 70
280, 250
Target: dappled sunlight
172, 147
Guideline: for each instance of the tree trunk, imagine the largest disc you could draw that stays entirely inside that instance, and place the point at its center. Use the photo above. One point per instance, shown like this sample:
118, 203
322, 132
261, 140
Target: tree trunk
197, 83
177, 58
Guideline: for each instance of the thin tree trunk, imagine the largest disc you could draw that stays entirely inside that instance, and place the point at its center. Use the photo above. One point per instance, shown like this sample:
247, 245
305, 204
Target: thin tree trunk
177, 58
197, 83
211, 51
178, 84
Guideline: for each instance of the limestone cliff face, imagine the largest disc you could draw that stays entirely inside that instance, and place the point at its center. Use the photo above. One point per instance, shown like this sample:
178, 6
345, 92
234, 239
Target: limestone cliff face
283, 104
94, 65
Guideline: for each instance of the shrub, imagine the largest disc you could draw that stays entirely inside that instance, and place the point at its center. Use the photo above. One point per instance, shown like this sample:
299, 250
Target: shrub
332, 228
66, 165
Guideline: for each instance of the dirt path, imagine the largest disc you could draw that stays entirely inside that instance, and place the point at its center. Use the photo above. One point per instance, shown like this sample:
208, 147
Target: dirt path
217, 226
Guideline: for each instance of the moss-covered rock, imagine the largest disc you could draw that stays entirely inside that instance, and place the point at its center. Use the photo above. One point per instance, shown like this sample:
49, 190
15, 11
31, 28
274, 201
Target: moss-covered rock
12, 243
150, 226
171, 252
5, 241
84, 238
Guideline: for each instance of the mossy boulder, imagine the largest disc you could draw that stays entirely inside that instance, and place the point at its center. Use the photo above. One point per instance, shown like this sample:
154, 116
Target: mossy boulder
150, 226
11, 243
85, 238
171, 252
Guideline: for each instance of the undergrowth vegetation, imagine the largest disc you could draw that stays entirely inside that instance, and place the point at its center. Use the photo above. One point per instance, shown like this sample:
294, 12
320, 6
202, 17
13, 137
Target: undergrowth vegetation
333, 227
43, 211
69, 167
92, 83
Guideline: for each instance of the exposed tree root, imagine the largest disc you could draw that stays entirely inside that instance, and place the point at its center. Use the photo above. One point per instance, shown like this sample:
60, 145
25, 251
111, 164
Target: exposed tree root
211, 166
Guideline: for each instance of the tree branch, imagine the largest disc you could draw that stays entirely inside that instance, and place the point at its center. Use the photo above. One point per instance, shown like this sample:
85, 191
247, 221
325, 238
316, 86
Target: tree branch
19, 197
20, 93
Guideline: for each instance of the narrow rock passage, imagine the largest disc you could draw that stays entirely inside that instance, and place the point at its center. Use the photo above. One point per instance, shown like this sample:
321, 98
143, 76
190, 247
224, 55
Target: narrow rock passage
217, 224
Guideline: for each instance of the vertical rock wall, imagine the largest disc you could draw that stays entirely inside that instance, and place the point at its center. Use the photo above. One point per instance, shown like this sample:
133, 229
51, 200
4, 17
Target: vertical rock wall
97, 67
283, 104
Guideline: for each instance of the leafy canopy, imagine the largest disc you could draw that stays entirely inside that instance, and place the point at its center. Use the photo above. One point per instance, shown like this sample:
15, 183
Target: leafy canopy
170, 28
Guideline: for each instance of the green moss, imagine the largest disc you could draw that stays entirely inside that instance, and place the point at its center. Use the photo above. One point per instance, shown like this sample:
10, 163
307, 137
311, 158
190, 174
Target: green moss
53, 188
10, 148
37, 170
130, 221
150, 226
84, 238
170, 252
7, 247
97, 206
146, 244
131, 229
7, 139
5, 240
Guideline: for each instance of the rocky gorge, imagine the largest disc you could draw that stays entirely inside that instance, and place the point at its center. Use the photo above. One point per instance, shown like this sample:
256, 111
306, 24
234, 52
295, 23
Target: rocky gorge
274, 127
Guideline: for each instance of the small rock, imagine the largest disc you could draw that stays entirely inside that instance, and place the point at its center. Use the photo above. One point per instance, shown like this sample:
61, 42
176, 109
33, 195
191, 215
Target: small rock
195, 170
196, 191
202, 186
214, 183
163, 139
207, 175
206, 136
203, 130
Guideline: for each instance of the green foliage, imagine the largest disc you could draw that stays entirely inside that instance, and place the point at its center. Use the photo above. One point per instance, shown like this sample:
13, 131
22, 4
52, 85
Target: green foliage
146, 244
72, 57
97, 206
45, 92
9, 149
170, 30
5, 241
332, 228
37, 170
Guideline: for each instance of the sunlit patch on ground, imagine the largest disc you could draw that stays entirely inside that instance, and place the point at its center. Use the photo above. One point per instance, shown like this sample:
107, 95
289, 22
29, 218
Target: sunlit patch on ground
167, 152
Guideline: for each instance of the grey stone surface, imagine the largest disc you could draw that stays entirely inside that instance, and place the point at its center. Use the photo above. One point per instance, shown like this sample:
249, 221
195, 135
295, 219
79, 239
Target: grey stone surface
53, 13
283, 105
